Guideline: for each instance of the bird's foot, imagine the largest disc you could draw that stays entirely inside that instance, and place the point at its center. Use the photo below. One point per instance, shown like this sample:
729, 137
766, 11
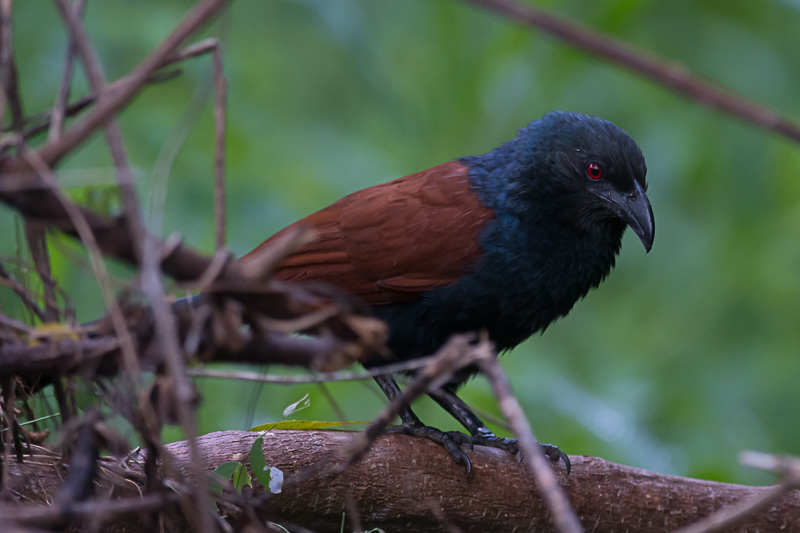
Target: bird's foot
550, 451
453, 440
554, 453
450, 440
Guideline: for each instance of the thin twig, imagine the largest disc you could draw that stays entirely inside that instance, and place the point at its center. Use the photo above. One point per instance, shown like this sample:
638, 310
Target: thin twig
171, 351
7, 416
37, 243
171, 148
100, 511
62, 355
337, 409
123, 94
788, 467
220, 107
24, 294
193, 50
352, 511
148, 251
84, 230
729, 516
322, 377
60, 105
301, 323
41, 121
8, 73
53, 359
3, 44
20, 328
669, 74
456, 354
446, 524
71, 16
181, 263
167, 339
94, 73
453, 356
563, 515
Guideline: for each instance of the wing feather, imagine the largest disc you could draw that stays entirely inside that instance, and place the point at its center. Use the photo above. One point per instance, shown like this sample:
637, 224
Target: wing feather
391, 242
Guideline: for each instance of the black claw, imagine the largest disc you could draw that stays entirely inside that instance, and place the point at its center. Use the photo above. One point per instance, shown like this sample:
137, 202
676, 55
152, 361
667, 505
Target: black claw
450, 440
511, 446
466, 462
555, 454
461, 439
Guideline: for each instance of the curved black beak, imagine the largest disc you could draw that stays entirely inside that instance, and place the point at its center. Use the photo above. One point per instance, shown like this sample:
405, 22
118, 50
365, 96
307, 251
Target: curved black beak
634, 208
638, 214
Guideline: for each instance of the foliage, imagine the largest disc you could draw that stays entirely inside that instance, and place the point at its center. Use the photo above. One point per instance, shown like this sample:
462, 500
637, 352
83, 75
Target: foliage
270, 477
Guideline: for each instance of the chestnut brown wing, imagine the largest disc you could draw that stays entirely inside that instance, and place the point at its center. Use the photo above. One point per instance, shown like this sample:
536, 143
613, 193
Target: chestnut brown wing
391, 242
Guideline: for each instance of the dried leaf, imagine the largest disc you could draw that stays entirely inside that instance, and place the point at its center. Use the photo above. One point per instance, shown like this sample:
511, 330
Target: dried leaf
299, 405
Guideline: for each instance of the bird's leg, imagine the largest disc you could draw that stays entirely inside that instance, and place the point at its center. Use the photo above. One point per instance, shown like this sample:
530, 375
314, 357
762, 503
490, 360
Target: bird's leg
482, 435
412, 425
390, 388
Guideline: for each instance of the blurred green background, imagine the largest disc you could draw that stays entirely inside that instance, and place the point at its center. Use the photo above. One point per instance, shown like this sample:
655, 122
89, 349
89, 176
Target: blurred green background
680, 360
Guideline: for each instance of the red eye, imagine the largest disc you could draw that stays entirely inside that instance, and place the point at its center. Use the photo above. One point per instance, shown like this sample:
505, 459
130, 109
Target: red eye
594, 171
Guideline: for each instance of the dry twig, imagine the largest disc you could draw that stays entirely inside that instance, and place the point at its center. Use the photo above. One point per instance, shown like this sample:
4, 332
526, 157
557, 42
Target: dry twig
669, 74
727, 517
220, 106
563, 515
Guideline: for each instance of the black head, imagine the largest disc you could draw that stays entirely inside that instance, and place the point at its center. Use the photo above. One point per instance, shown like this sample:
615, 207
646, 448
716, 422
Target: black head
595, 165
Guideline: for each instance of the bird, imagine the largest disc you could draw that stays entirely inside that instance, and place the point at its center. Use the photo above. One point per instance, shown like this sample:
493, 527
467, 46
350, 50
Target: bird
505, 242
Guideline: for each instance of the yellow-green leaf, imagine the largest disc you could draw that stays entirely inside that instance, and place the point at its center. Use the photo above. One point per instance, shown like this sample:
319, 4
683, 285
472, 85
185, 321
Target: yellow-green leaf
304, 425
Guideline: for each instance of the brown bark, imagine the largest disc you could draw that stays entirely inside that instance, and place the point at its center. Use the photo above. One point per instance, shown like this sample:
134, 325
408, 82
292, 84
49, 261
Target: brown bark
409, 484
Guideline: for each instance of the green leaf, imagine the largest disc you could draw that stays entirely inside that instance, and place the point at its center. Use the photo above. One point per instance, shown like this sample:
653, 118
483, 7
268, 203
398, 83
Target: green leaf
241, 478
258, 463
233, 470
271, 478
224, 472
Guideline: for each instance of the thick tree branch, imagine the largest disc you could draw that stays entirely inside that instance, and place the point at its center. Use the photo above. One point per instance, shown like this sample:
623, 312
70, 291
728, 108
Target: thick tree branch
406, 484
